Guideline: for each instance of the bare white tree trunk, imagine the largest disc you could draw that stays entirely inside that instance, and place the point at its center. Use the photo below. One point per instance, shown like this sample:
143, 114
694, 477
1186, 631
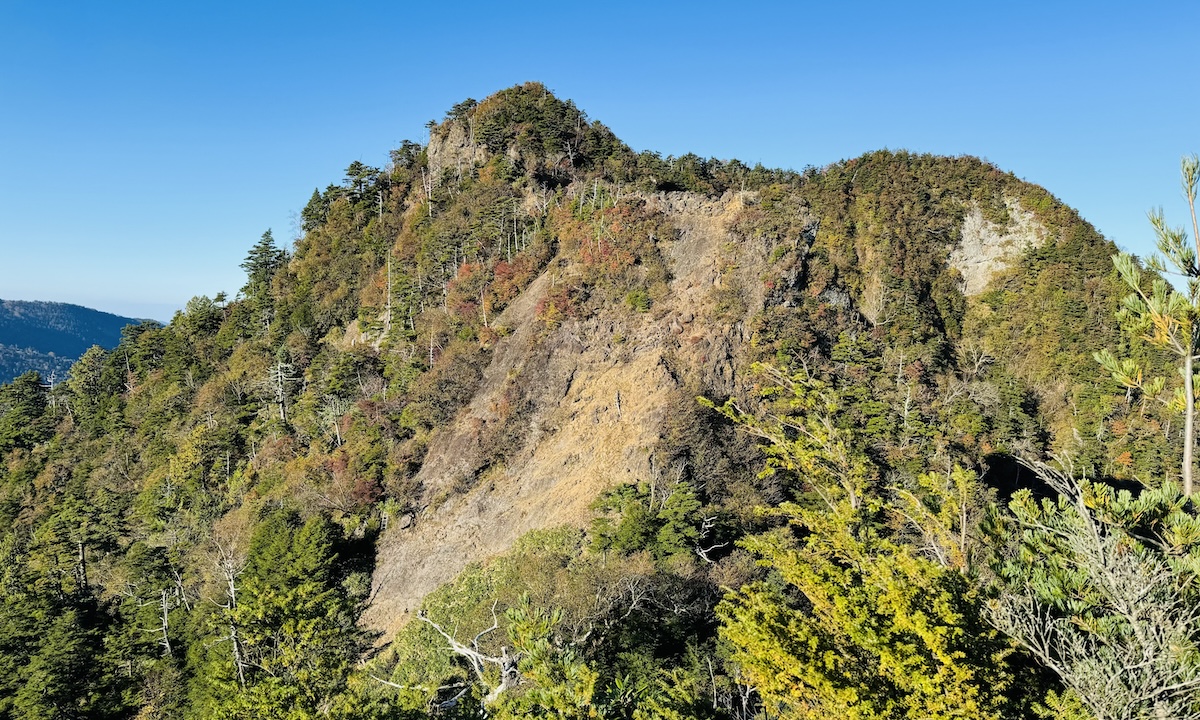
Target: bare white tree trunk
478, 662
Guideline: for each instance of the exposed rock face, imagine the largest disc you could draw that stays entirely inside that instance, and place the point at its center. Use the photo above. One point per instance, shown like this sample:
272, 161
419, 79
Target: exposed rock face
601, 389
451, 147
986, 248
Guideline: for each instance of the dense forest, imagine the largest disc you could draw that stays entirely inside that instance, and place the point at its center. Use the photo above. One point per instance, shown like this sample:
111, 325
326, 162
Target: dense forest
529, 424
49, 337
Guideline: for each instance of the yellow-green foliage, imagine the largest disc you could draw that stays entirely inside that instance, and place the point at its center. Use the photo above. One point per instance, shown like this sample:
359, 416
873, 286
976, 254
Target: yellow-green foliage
879, 633
852, 623
1062, 706
543, 597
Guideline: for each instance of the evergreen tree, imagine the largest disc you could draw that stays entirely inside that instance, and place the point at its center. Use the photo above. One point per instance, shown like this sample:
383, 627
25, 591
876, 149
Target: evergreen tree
60, 680
314, 212
23, 413
1166, 317
1100, 586
295, 623
264, 260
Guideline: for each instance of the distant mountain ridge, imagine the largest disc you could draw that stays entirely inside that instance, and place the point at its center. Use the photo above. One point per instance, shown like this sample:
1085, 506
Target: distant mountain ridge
49, 336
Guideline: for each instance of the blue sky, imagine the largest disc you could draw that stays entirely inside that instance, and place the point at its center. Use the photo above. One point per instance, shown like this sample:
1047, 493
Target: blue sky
145, 146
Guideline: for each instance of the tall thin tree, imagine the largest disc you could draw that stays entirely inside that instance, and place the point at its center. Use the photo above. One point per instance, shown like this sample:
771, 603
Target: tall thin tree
1165, 316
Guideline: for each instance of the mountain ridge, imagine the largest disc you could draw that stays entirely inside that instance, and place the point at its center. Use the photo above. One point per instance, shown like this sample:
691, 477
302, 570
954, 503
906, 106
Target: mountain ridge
470, 393
50, 336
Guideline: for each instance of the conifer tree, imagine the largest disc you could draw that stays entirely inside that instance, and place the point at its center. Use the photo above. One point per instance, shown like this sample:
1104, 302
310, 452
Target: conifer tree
313, 213
261, 264
1164, 316
294, 620
23, 407
1100, 586
60, 679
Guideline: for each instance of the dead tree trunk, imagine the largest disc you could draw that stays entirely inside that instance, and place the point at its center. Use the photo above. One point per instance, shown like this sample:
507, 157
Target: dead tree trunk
510, 676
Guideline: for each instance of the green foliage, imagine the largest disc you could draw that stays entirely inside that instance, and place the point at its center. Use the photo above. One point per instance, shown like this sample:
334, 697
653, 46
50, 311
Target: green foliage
261, 264
561, 685
676, 694
855, 624
189, 520
881, 634
664, 521
60, 678
1065, 706
53, 662
943, 510
24, 417
807, 444
1100, 586
1165, 317
527, 580
583, 629
638, 300
865, 242
288, 639
552, 136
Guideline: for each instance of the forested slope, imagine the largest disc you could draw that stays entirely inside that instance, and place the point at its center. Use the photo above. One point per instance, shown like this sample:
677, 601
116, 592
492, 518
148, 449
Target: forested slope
49, 337
511, 388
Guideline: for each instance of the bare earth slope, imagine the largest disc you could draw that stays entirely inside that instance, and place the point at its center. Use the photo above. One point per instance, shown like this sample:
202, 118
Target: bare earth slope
601, 391
602, 387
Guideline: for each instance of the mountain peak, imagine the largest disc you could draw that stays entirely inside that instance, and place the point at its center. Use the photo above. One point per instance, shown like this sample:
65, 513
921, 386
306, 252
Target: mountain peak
530, 128
502, 336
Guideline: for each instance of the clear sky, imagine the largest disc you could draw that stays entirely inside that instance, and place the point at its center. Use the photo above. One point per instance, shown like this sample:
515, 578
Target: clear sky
145, 146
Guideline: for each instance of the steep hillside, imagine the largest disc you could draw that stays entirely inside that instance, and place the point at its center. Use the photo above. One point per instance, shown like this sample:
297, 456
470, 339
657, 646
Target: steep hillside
50, 337
600, 394
481, 366
609, 382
